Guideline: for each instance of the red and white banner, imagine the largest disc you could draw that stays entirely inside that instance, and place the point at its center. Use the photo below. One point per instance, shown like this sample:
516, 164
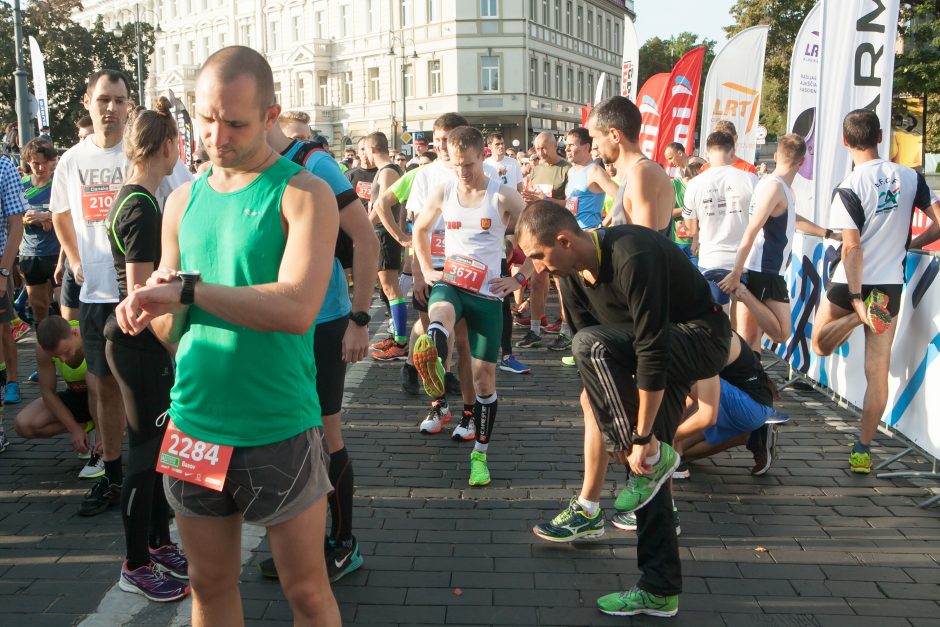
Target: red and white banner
856, 72
631, 60
649, 100
680, 104
801, 108
733, 88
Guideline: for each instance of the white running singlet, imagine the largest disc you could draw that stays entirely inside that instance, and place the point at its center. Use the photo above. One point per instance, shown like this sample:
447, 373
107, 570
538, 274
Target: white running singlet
718, 198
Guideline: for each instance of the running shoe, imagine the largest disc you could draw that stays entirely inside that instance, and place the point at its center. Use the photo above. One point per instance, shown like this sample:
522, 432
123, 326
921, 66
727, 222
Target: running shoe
4, 442
766, 449
436, 418
395, 352
466, 429
429, 366
84, 456
103, 495
860, 463
153, 583
93, 469
682, 471
568, 360
171, 559
640, 489
876, 308
530, 340
562, 343
11, 395
34, 378
343, 559
383, 345
511, 364
479, 471
452, 384
572, 524
19, 329
636, 601
555, 327
627, 521
409, 380
527, 321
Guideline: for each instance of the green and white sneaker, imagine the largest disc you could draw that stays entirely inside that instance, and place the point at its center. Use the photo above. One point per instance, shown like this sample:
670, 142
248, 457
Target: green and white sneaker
860, 463
479, 471
627, 521
641, 489
636, 601
572, 524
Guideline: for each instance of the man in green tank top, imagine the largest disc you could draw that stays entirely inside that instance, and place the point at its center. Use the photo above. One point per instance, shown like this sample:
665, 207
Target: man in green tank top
247, 254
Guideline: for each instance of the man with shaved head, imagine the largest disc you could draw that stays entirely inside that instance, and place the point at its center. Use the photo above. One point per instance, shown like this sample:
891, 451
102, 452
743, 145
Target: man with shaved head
261, 231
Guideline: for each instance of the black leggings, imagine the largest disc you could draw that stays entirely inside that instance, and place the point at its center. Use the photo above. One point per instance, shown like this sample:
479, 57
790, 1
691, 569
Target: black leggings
145, 378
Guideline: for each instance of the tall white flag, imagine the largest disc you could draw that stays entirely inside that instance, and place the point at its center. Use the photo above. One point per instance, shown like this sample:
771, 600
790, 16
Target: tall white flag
801, 107
599, 90
856, 72
733, 88
39, 82
631, 60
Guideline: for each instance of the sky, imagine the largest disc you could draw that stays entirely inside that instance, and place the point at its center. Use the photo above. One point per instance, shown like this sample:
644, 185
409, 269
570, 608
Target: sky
664, 18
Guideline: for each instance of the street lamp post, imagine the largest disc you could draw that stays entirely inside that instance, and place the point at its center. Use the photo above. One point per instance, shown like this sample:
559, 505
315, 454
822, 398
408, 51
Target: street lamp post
404, 100
25, 127
140, 55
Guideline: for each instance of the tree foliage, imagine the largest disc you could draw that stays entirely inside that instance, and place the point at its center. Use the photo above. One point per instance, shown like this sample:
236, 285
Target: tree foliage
70, 54
917, 66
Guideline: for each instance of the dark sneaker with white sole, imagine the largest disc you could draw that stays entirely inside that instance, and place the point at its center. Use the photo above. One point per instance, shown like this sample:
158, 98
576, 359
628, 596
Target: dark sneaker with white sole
151, 582
343, 559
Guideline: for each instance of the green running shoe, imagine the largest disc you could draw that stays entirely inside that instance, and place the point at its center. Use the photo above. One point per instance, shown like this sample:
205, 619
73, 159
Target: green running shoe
636, 601
479, 472
568, 360
627, 521
860, 463
641, 489
429, 366
572, 524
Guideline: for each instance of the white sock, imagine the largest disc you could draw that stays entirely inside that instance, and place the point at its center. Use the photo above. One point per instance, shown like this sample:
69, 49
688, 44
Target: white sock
565, 329
654, 459
405, 282
590, 507
535, 326
480, 447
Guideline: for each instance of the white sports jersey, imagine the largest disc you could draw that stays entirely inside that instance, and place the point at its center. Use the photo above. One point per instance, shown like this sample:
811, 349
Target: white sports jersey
508, 170
878, 200
718, 198
771, 250
476, 234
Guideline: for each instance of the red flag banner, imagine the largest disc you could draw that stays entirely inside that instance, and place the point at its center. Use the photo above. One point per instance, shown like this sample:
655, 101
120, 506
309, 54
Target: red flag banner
680, 103
585, 113
649, 100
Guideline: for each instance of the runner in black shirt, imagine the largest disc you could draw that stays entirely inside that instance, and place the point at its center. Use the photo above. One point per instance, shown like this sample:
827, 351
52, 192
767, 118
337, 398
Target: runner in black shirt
646, 330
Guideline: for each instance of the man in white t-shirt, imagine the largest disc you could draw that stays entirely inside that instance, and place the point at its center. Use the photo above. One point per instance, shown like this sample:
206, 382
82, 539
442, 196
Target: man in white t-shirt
87, 179
507, 168
716, 211
873, 208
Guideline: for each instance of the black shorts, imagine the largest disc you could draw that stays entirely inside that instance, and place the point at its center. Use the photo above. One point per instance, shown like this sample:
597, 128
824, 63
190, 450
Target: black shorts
92, 318
70, 290
414, 301
389, 250
838, 294
767, 286
77, 403
38, 270
331, 369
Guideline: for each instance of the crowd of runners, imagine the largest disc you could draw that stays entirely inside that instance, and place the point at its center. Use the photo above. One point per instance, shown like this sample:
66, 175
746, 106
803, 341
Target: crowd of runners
152, 288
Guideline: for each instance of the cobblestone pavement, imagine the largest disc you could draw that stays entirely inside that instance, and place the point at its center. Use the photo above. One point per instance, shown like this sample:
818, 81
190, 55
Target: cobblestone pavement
806, 544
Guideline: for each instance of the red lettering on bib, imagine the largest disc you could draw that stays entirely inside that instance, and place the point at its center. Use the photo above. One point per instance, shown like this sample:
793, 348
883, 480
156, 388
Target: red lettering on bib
571, 204
364, 190
97, 199
193, 460
464, 272
437, 244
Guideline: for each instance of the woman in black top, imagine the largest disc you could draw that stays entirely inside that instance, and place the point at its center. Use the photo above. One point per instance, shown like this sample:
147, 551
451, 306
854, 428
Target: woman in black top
155, 567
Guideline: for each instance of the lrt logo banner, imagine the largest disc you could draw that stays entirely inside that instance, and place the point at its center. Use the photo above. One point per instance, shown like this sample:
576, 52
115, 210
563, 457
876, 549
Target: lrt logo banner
741, 104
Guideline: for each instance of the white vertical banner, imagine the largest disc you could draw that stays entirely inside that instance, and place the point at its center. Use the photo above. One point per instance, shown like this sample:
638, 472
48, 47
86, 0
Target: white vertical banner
39, 82
631, 60
856, 72
599, 90
801, 105
733, 88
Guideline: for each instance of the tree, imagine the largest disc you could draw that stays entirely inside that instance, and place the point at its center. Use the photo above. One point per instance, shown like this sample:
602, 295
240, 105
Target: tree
917, 65
70, 53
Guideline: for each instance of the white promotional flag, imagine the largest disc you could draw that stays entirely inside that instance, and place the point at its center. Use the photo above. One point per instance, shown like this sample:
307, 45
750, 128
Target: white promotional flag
631, 60
801, 106
599, 90
39, 82
856, 72
733, 88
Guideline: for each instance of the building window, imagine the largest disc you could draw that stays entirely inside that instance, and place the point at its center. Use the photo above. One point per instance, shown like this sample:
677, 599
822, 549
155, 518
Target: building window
375, 84
407, 13
557, 93
607, 34
580, 22
590, 26
297, 26
177, 58
557, 9
599, 36
533, 76
191, 44
222, 39
545, 16
618, 44
568, 10
546, 80
434, 77
206, 46
277, 93
489, 73
534, 10
320, 19
569, 88
273, 35
589, 88
303, 91
434, 10
488, 8
581, 86
347, 87
345, 28
409, 71
375, 13
323, 89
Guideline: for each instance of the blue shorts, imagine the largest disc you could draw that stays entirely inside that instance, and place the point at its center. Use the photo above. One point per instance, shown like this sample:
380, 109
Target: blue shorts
738, 413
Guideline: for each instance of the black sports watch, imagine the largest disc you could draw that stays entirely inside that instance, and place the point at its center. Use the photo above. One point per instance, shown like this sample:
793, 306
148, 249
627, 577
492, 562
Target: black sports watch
642, 439
189, 279
855, 296
4, 272
361, 318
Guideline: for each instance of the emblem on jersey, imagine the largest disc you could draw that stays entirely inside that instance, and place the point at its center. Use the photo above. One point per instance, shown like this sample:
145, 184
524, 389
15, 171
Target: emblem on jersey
486, 223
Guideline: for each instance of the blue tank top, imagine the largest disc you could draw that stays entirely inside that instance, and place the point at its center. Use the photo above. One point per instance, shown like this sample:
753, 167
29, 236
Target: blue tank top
587, 206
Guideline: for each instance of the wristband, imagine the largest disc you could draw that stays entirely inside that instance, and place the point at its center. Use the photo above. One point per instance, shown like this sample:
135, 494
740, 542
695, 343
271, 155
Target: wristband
642, 439
855, 296
828, 233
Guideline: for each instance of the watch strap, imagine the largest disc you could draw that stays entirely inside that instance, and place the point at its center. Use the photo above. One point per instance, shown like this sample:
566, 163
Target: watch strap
855, 296
642, 439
